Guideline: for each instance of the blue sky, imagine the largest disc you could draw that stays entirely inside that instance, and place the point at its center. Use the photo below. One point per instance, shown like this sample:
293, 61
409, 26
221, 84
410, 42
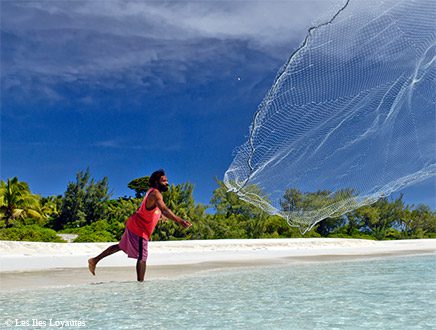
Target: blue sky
125, 88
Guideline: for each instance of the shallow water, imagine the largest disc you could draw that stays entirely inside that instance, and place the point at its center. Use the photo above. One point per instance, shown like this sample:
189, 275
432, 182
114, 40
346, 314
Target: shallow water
390, 293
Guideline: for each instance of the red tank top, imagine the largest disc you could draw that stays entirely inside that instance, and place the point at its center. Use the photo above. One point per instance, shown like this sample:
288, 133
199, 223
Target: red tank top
143, 221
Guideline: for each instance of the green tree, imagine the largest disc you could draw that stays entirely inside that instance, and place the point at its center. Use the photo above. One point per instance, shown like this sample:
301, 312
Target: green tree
238, 214
228, 202
353, 223
222, 226
201, 228
179, 198
328, 225
96, 195
381, 216
51, 206
296, 201
297, 204
255, 227
83, 202
419, 222
17, 202
140, 186
117, 212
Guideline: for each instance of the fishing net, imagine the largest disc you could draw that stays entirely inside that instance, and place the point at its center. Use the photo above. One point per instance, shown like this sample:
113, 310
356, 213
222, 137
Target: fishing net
350, 117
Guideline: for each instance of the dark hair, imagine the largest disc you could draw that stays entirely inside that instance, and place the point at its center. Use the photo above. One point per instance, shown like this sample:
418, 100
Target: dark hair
155, 177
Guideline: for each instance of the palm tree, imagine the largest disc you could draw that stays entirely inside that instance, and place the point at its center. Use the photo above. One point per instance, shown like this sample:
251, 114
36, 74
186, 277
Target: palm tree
50, 206
16, 201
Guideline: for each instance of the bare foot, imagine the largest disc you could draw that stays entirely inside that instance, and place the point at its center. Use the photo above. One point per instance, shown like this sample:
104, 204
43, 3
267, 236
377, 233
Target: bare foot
91, 266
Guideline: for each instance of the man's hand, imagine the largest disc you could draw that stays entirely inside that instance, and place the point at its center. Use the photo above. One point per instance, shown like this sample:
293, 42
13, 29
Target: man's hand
186, 223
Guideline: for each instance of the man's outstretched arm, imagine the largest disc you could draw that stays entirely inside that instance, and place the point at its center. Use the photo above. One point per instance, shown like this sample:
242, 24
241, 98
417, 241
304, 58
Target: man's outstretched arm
167, 212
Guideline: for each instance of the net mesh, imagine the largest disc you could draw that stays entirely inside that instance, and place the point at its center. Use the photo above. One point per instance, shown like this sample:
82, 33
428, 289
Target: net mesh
350, 117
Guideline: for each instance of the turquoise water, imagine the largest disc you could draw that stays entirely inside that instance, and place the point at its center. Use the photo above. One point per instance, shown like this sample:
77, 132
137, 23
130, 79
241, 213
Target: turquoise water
391, 293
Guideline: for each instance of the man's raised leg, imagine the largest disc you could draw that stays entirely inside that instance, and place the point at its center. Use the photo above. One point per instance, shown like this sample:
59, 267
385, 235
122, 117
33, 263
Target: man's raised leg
92, 263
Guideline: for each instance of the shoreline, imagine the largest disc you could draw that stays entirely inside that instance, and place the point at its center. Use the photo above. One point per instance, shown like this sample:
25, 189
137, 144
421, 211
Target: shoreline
27, 265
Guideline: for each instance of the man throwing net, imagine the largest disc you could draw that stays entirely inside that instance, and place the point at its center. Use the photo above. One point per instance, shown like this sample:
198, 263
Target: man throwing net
140, 226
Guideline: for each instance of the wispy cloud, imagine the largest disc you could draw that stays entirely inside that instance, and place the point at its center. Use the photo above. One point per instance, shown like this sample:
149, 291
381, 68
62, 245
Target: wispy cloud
108, 43
118, 144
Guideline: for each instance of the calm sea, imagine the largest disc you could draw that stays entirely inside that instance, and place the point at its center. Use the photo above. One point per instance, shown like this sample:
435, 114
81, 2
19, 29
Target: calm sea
390, 293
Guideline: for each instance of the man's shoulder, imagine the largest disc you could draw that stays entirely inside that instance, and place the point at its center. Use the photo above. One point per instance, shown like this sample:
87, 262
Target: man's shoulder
155, 193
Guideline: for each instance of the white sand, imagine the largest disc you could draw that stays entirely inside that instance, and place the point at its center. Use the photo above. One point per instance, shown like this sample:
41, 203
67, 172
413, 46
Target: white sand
29, 265
31, 256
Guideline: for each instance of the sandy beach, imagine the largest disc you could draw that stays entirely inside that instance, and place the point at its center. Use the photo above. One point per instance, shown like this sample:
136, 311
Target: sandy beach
37, 264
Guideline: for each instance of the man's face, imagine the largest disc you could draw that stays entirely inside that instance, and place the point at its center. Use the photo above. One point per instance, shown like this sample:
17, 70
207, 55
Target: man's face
163, 184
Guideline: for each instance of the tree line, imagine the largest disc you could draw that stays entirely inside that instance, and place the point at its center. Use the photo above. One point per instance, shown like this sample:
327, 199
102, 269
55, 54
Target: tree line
87, 210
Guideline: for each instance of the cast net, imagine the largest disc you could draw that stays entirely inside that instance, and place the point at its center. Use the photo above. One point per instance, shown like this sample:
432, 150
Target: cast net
350, 117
